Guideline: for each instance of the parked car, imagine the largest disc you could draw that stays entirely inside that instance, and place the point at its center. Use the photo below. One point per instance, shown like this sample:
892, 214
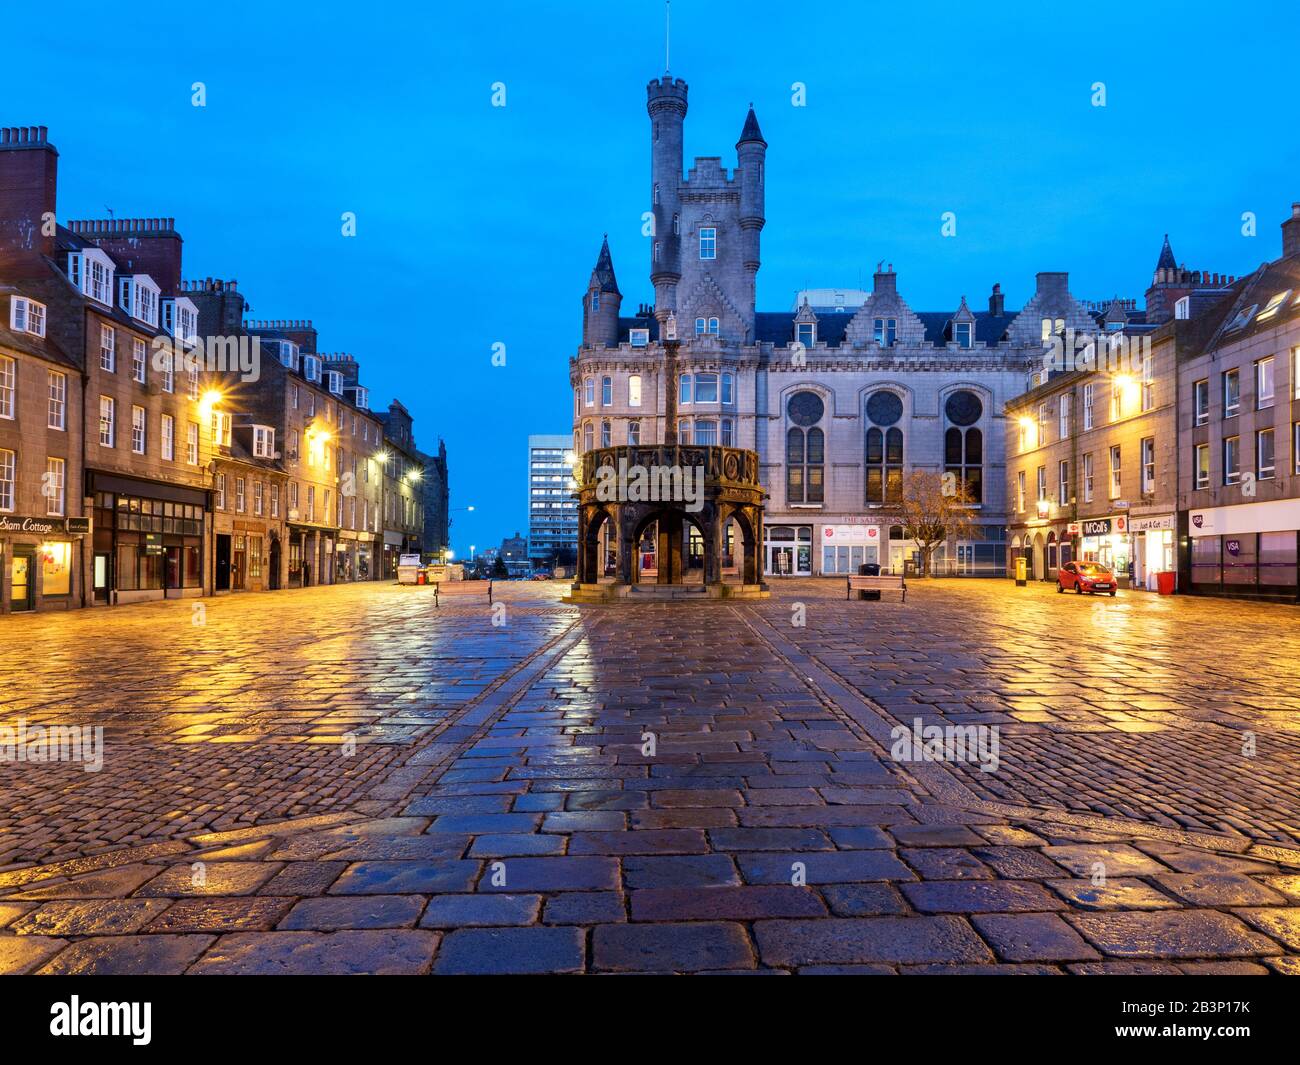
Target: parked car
1091, 577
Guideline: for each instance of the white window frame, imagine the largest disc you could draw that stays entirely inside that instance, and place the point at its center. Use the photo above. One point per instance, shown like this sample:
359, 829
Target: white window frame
263, 442
1197, 452
1262, 472
8, 386
107, 421
1231, 476
708, 242
26, 316
139, 357
1265, 382
1088, 474
55, 487
1148, 448
56, 416
107, 349
1200, 414
311, 368
1064, 414
8, 479
167, 436
1116, 482
192, 443
1088, 408
139, 430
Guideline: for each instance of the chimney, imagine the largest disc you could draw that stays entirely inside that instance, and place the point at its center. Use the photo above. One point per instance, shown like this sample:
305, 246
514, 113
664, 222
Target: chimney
885, 281
29, 167
997, 302
1291, 233
1053, 286
141, 245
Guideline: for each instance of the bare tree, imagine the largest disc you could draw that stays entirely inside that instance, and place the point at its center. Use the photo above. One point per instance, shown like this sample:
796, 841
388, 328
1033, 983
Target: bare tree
933, 508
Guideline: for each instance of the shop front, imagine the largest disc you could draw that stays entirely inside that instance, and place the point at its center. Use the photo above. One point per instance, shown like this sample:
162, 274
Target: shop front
787, 550
393, 542
846, 547
1250, 549
1153, 548
1108, 541
148, 540
41, 558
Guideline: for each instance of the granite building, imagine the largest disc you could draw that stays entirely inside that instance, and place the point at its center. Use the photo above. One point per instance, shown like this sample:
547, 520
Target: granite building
838, 395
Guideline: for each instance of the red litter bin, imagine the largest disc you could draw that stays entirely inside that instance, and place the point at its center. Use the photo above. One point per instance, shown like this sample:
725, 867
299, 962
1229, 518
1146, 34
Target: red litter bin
419, 578
1165, 581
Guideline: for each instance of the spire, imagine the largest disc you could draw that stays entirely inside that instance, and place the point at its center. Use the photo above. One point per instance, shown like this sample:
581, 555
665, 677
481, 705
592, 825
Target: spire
1166, 260
603, 274
751, 132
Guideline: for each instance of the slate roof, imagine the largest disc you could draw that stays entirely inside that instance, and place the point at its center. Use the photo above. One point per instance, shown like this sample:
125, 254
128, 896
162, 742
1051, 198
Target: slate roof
604, 271
751, 132
1166, 260
28, 343
1252, 294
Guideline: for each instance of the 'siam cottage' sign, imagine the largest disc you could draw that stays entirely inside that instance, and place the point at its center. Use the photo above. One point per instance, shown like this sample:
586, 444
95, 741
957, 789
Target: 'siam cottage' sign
13, 523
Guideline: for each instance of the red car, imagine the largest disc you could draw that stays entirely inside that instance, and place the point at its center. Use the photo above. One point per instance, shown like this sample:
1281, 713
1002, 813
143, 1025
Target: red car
1086, 577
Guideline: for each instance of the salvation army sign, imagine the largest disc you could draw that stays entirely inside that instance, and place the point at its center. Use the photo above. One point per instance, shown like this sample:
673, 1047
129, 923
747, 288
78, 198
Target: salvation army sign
851, 534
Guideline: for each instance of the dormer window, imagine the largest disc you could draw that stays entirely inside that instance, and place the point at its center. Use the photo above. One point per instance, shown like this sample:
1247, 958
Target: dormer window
334, 380
706, 327
263, 442
806, 333
1183, 308
639, 338
180, 320
138, 296
885, 331
361, 397
708, 243
26, 316
1271, 308
289, 354
1243, 318
91, 270
311, 368
1053, 327
962, 334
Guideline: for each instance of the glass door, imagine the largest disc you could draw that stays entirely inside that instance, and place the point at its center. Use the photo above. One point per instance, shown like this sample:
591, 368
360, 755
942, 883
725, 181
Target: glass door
22, 591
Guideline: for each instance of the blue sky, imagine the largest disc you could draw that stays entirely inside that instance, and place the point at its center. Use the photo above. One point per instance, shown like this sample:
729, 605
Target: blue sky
478, 225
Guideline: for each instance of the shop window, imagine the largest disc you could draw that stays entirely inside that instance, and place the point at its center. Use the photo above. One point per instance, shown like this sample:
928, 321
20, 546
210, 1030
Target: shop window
56, 569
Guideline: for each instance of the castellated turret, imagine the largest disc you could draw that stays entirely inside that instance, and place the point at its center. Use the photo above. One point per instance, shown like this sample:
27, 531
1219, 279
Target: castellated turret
601, 303
666, 105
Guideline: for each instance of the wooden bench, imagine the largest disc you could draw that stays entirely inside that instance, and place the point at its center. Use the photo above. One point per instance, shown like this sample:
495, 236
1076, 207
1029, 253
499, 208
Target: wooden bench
885, 582
458, 588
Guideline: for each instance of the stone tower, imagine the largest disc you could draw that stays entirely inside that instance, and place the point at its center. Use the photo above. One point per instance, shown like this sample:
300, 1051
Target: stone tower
666, 105
751, 153
601, 303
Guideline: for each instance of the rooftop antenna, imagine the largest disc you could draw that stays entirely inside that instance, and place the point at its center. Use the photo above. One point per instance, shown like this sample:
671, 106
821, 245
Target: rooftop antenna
109, 210
668, 27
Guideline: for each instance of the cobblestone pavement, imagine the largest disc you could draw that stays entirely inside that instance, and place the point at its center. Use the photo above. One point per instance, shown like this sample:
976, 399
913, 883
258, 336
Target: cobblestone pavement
348, 780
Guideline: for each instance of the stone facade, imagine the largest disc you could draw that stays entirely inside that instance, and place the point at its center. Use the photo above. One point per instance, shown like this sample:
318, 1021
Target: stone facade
199, 453
800, 387
1238, 376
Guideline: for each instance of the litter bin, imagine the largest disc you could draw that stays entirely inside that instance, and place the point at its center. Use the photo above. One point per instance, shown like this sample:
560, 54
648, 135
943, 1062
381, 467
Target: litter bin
868, 569
1165, 582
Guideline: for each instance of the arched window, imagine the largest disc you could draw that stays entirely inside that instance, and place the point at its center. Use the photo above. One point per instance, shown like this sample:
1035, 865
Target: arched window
606, 391
728, 388
713, 326
589, 391
884, 448
586, 436
634, 390
606, 433
634, 432
963, 443
805, 452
